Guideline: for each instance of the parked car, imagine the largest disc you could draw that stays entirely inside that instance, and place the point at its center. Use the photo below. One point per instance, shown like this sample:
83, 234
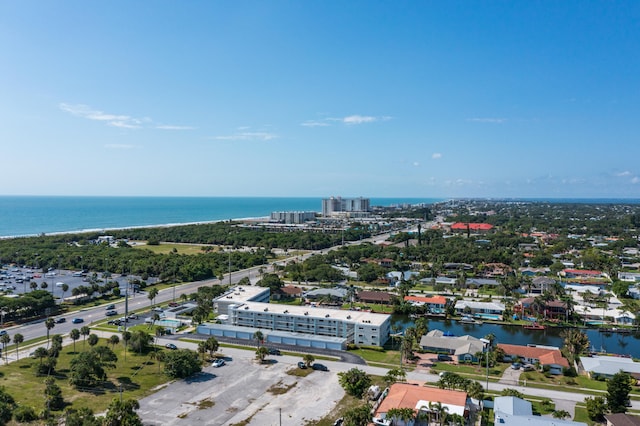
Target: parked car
114, 322
319, 367
528, 367
516, 366
3, 332
171, 346
274, 351
218, 363
173, 304
133, 317
77, 320
443, 357
302, 365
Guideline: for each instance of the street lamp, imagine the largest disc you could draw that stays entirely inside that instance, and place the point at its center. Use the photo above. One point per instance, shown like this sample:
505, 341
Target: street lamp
487, 345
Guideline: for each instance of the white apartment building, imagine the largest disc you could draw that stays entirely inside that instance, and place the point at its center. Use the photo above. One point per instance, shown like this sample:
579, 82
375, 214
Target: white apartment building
337, 205
245, 308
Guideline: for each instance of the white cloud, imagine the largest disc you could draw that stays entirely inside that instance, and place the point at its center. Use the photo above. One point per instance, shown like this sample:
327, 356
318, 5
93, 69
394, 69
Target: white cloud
625, 173
635, 180
247, 136
314, 123
358, 119
115, 120
436, 155
416, 164
118, 146
493, 120
84, 111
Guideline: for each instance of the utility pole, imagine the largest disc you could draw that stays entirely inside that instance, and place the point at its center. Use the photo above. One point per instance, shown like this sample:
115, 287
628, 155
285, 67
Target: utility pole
229, 267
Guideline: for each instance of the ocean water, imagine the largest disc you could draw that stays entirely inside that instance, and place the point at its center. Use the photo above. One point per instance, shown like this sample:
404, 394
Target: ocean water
34, 215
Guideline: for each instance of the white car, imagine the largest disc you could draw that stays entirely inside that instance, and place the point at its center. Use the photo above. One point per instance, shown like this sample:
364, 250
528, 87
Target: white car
218, 363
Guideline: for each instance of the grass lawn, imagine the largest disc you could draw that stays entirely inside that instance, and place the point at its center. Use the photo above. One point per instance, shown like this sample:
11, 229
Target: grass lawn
582, 415
138, 375
166, 248
469, 369
391, 358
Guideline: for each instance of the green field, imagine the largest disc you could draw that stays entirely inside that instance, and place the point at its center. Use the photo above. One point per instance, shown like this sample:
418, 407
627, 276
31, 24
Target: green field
138, 375
166, 248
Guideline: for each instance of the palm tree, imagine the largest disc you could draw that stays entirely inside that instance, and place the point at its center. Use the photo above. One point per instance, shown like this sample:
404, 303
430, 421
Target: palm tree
405, 415
114, 340
126, 336
75, 335
153, 292
308, 359
84, 331
202, 349
41, 353
65, 287
259, 336
17, 339
49, 323
212, 345
261, 353
4, 339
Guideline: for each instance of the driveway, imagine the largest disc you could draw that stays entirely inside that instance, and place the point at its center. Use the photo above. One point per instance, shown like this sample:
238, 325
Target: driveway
510, 376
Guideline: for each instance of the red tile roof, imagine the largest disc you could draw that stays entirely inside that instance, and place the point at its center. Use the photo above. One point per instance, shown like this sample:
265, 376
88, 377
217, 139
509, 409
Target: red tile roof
434, 300
403, 395
544, 355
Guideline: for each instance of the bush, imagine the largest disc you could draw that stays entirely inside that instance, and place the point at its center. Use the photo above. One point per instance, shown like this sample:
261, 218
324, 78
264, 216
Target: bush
570, 372
25, 414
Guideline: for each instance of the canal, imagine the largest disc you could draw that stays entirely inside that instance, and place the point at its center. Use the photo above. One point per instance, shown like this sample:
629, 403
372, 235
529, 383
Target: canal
622, 344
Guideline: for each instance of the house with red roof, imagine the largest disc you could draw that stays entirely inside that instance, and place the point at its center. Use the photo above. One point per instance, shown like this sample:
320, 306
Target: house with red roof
433, 304
531, 354
429, 401
582, 273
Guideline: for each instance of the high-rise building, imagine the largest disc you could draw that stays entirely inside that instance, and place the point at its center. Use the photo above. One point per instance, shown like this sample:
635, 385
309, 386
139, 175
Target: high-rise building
336, 205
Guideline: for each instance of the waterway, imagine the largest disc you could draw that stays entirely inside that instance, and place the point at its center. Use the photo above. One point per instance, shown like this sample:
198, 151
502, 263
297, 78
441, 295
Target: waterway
622, 344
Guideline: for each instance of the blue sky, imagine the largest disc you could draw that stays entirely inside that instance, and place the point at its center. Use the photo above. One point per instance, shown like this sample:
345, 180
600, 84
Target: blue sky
319, 98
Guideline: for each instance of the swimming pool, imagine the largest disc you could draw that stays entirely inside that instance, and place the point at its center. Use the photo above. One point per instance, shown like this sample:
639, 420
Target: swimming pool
489, 316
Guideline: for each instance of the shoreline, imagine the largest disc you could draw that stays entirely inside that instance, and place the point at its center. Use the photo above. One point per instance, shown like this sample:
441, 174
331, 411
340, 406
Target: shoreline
123, 228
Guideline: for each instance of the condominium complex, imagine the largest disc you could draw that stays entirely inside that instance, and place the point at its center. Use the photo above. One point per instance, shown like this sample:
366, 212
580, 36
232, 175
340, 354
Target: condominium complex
293, 217
338, 205
243, 311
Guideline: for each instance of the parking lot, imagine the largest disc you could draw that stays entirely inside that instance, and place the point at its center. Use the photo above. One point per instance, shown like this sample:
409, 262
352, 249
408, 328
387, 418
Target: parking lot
244, 391
17, 280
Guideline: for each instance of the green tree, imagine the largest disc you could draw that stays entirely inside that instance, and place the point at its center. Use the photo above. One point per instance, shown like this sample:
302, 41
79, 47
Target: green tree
561, 414
272, 281
114, 340
81, 417
75, 335
404, 415
140, 341
358, 416
181, 363
17, 340
395, 375
84, 331
308, 359
354, 381
576, 342
86, 370
261, 353
212, 346
202, 349
618, 389
259, 337
53, 395
596, 407
49, 323
4, 339
93, 339
122, 413
151, 295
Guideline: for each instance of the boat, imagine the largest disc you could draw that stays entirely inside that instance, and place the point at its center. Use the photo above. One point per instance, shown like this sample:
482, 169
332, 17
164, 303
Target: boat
534, 326
615, 330
469, 320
